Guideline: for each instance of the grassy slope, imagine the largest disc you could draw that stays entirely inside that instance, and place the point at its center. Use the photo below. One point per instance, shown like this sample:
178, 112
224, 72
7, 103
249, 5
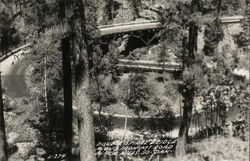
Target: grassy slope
220, 149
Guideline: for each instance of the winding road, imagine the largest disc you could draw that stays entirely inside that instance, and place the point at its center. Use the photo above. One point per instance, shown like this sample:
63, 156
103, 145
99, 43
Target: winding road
13, 74
13, 71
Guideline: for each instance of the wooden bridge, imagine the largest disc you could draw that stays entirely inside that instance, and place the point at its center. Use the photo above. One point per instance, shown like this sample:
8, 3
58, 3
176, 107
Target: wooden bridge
150, 65
148, 25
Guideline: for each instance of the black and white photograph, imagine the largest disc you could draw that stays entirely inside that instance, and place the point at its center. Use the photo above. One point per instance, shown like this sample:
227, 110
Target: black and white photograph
124, 80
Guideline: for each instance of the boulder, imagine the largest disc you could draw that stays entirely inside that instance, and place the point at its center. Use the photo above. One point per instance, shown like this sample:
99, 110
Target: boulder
32, 158
12, 137
40, 159
25, 149
241, 72
9, 116
40, 152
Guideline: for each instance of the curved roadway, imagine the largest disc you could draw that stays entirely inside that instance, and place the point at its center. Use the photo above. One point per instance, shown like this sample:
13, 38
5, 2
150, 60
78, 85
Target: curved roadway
13, 76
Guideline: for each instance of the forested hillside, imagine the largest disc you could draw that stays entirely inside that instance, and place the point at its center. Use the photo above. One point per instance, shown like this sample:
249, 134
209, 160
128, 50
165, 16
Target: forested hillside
190, 83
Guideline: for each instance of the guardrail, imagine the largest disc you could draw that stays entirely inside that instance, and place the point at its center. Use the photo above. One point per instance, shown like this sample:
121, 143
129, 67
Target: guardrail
116, 115
128, 23
15, 51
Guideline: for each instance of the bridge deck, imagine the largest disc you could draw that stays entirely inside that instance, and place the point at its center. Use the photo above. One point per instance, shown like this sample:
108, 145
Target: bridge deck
128, 27
148, 24
232, 19
150, 65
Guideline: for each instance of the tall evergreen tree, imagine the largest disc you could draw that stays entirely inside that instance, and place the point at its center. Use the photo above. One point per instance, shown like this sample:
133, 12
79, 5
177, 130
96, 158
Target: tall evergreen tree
67, 82
67, 93
9, 36
84, 26
188, 88
135, 7
108, 11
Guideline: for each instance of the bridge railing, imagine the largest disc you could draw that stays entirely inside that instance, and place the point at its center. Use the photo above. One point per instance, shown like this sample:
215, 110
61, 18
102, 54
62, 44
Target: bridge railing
3, 57
128, 23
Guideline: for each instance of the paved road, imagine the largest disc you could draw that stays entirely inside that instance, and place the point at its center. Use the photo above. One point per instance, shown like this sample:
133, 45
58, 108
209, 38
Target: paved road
13, 73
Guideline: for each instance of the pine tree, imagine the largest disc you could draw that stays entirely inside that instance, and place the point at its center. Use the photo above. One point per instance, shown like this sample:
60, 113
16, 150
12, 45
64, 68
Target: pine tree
108, 11
84, 26
135, 6
67, 82
9, 36
67, 93
188, 88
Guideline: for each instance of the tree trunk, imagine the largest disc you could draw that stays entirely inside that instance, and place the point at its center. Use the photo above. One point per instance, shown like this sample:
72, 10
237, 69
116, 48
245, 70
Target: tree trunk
83, 51
85, 113
85, 120
135, 5
219, 7
206, 132
185, 123
108, 11
67, 93
188, 94
188, 86
3, 144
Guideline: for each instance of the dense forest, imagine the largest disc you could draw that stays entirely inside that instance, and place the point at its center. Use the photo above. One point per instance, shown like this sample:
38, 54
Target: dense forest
64, 90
